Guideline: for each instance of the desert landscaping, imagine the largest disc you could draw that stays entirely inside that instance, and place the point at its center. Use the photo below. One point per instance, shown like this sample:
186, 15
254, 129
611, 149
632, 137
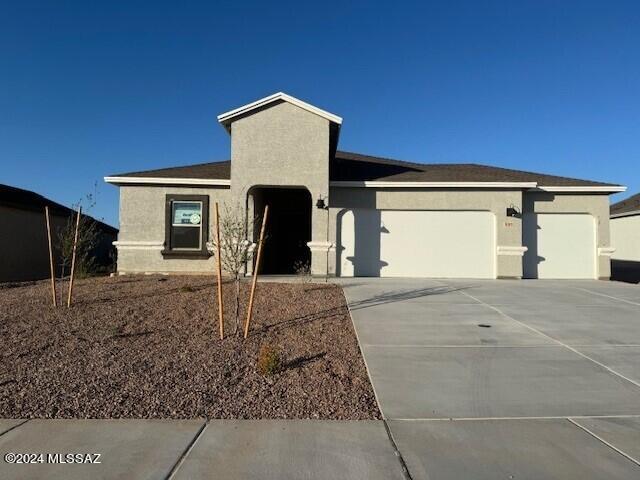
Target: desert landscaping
148, 347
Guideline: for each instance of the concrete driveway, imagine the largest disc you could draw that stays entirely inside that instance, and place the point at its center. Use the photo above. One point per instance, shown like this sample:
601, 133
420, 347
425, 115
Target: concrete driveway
505, 379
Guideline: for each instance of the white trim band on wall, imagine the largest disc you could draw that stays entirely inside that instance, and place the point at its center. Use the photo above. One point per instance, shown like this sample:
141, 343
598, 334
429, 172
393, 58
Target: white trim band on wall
168, 181
605, 251
133, 245
511, 250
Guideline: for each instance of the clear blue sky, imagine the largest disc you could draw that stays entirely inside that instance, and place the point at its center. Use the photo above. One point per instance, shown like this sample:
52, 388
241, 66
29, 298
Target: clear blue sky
89, 89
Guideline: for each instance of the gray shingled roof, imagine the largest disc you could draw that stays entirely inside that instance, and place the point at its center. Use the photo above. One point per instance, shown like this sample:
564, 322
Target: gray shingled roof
212, 170
356, 167
631, 204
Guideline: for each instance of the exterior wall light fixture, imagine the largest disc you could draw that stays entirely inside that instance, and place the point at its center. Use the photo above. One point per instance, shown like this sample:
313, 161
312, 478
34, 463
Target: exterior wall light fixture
321, 204
513, 211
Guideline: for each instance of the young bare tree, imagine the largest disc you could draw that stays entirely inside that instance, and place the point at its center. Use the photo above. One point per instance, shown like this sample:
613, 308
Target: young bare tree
234, 249
87, 240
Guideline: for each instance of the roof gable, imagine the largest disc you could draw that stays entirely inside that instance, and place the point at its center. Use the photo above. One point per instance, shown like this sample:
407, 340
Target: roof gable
227, 118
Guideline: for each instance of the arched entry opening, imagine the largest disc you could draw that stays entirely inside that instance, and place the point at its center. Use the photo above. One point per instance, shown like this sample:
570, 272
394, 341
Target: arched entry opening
288, 228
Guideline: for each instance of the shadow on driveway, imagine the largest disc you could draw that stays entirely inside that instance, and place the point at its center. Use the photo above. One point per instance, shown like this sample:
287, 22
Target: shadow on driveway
401, 295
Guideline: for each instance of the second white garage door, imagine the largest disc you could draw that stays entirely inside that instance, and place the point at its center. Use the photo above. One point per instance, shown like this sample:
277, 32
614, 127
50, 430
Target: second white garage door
560, 245
417, 243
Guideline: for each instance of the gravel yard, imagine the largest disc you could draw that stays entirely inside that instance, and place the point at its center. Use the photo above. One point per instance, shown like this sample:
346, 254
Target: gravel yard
148, 347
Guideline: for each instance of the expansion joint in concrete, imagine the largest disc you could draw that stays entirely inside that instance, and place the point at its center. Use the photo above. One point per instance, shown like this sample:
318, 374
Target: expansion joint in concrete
603, 441
405, 470
13, 428
187, 451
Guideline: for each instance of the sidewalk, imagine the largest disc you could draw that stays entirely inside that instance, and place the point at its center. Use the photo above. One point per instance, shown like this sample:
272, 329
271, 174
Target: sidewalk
193, 449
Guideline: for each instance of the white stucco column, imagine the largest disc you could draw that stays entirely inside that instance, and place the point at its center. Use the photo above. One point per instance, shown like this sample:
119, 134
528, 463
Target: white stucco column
320, 256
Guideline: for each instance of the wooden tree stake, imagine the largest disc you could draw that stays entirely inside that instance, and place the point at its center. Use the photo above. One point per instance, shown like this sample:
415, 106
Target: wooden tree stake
219, 272
255, 271
53, 276
73, 256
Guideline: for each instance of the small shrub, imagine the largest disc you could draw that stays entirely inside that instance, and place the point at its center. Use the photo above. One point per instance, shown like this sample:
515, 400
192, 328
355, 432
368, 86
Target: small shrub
187, 289
269, 361
303, 270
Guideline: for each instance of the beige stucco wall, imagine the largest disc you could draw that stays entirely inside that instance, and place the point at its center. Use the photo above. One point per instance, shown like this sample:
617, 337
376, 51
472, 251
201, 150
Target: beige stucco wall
508, 229
625, 238
142, 229
283, 145
142, 218
596, 205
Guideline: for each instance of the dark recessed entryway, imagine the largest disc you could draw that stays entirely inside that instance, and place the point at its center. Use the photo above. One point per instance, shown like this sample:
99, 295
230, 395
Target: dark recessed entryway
288, 228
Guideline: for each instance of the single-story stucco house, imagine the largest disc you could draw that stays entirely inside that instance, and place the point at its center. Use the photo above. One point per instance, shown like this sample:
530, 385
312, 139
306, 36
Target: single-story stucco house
349, 214
24, 249
625, 238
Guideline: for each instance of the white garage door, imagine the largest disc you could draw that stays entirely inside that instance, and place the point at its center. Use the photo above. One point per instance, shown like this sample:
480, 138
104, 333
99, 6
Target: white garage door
559, 245
403, 243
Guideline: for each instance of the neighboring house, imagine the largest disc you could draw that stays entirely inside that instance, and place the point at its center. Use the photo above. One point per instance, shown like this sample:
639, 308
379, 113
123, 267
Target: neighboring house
24, 251
625, 238
357, 215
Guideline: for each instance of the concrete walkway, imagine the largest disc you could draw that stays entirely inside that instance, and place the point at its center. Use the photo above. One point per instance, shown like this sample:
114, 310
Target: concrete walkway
193, 449
505, 379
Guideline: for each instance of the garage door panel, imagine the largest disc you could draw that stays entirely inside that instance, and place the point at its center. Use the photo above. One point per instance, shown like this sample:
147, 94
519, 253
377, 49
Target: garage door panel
402, 243
559, 246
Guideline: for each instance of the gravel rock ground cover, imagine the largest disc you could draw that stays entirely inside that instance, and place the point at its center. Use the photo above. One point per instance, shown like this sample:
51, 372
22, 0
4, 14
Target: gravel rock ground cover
148, 347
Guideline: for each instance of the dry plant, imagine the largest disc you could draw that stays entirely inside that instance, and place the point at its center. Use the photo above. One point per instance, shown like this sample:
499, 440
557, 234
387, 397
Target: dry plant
303, 270
269, 360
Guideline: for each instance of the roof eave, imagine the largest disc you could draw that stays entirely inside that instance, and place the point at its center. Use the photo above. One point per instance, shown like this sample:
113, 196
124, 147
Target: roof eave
530, 186
582, 189
390, 184
219, 182
631, 213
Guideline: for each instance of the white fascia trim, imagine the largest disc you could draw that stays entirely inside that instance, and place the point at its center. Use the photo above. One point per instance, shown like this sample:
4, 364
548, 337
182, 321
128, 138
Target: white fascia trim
138, 245
511, 250
167, 181
625, 214
380, 184
280, 96
586, 189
